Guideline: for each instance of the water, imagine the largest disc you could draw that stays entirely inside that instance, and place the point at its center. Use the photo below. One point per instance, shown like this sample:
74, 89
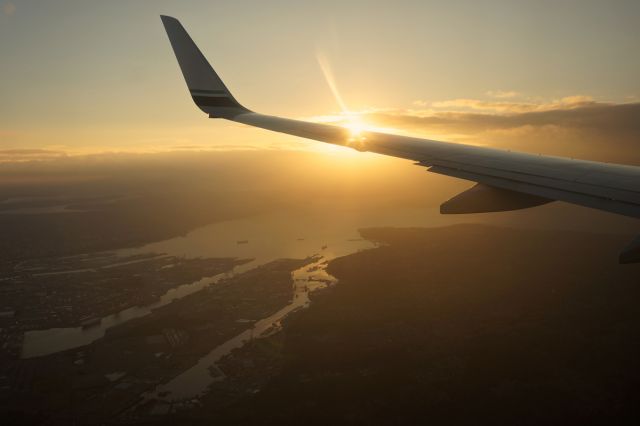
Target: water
52, 340
290, 234
195, 381
272, 237
269, 237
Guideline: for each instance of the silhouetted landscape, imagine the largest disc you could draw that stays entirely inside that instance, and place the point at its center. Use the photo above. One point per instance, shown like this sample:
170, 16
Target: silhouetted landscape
460, 325
128, 304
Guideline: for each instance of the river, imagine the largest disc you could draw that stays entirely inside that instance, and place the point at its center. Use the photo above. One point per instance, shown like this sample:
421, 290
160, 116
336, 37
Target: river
194, 382
267, 237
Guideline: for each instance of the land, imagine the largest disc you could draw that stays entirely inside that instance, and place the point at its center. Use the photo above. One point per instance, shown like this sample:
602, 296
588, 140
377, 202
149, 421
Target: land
536, 327
93, 224
445, 325
460, 325
455, 325
77, 291
106, 379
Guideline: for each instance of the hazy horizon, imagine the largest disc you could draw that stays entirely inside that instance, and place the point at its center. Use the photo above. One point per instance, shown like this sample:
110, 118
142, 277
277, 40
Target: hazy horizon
89, 77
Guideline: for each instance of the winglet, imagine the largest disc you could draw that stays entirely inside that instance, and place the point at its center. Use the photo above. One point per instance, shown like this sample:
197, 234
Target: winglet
207, 89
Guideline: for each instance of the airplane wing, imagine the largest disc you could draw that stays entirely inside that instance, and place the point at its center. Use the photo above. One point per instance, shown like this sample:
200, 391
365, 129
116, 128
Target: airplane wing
506, 180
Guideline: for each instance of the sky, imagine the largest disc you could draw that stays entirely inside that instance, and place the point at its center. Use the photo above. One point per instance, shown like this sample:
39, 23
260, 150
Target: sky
84, 76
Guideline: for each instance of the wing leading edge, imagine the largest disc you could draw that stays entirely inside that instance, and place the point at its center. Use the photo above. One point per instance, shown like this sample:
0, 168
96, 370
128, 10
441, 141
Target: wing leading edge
507, 180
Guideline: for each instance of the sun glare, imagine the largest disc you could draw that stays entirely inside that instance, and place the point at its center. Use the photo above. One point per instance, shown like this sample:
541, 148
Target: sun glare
355, 126
352, 121
357, 136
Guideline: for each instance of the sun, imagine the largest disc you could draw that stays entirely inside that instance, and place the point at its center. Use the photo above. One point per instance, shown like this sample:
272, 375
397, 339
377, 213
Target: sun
355, 125
358, 132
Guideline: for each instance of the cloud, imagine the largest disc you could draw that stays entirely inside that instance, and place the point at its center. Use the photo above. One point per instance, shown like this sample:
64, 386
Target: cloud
513, 107
501, 94
20, 155
575, 113
481, 105
8, 8
217, 147
576, 126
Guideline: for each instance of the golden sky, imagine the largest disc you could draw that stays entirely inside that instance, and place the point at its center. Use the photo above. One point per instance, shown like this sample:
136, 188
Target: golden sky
91, 76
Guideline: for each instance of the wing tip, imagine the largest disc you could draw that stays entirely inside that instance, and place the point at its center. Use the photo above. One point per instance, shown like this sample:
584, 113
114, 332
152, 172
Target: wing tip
207, 89
169, 20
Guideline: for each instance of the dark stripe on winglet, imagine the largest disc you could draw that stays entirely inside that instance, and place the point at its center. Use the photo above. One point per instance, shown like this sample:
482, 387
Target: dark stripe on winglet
215, 101
210, 92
